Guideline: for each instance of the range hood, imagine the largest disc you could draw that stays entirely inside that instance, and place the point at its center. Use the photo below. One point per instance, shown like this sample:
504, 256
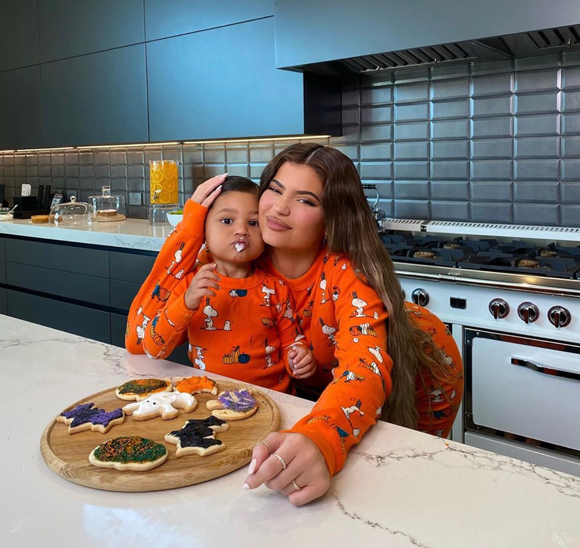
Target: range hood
342, 37
526, 44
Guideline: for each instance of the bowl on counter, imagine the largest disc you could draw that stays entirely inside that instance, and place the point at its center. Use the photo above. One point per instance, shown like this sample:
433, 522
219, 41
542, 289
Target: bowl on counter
174, 217
5, 214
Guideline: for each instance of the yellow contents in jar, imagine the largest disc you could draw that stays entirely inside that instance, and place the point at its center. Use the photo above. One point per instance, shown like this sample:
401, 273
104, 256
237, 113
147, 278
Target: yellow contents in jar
163, 181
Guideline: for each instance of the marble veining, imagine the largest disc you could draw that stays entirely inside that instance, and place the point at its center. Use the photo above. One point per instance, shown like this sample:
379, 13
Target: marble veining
399, 488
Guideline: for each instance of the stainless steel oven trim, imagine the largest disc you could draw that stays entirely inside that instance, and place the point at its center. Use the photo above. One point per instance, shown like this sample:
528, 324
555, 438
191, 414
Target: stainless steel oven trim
470, 426
561, 287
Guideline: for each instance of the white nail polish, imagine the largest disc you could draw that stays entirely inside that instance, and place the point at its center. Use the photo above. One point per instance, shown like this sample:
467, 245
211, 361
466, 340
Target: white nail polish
252, 467
246, 487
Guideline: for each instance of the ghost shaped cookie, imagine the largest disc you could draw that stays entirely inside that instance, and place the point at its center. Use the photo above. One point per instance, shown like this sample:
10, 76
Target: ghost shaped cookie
164, 404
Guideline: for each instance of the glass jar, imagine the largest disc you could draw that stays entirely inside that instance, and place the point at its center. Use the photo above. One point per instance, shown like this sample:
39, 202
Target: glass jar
108, 207
72, 213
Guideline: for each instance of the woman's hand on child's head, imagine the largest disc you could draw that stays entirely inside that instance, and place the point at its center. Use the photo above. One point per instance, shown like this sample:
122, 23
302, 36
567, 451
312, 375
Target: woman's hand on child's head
207, 192
289, 463
202, 285
302, 362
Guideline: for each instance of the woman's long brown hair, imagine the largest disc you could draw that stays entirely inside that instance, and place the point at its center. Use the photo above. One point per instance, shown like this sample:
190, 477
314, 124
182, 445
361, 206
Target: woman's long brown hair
351, 230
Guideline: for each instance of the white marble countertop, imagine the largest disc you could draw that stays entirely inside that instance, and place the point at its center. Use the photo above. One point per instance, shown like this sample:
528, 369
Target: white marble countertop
129, 234
399, 488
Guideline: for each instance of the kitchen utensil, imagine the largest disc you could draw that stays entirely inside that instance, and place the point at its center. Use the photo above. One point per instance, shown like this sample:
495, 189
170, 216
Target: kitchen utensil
67, 454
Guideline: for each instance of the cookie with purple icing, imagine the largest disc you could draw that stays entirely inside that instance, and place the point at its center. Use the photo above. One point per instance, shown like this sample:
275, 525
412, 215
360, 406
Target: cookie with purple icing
233, 405
197, 437
88, 417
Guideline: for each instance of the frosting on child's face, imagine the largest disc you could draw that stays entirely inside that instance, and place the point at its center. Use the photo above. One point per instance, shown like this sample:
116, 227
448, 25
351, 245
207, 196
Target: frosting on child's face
291, 214
232, 231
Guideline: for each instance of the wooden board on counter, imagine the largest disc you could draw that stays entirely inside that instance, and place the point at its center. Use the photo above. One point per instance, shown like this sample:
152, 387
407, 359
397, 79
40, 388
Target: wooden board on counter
68, 454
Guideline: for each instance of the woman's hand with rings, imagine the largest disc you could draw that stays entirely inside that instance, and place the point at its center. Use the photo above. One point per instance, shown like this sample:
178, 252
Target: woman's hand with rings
207, 192
289, 463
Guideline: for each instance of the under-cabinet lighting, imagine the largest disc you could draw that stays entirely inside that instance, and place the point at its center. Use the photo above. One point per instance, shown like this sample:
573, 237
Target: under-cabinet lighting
261, 139
6, 151
23, 150
132, 145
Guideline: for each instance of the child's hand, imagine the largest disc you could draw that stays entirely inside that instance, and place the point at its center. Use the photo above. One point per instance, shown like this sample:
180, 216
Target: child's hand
202, 286
207, 192
302, 362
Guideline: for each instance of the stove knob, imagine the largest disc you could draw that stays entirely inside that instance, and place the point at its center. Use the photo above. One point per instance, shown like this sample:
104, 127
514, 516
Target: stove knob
528, 312
420, 297
559, 316
499, 308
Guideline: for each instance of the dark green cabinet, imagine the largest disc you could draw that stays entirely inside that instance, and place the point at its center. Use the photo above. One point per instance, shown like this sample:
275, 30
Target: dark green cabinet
222, 83
2, 262
71, 318
165, 18
20, 119
75, 27
3, 307
95, 99
18, 34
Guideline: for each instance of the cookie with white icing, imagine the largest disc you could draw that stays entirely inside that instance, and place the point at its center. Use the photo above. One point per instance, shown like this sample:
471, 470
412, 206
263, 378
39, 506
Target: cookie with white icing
129, 453
197, 437
140, 389
233, 405
88, 417
164, 404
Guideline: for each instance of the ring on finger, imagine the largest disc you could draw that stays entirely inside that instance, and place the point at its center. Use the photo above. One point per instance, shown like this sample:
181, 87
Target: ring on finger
296, 486
280, 459
269, 448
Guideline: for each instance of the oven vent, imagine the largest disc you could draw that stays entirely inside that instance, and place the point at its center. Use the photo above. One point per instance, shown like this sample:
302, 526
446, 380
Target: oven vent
409, 225
559, 233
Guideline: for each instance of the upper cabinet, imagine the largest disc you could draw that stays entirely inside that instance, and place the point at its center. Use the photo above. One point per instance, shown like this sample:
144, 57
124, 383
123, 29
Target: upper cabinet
18, 34
222, 83
76, 27
95, 99
315, 31
20, 123
165, 18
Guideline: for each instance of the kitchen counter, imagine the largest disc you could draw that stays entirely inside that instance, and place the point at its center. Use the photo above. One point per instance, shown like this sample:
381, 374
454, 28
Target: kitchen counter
135, 234
400, 488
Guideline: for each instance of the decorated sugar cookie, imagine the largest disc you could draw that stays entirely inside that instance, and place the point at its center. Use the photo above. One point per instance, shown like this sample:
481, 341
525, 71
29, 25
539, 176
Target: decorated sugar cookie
140, 389
233, 405
197, 385
165, 404
198, 437
88, 417
129, 453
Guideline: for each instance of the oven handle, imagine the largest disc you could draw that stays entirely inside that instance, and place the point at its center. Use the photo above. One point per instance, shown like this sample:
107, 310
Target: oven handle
552, 371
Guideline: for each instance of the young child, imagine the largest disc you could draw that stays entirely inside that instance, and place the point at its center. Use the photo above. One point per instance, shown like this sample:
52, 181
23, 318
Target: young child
238, 320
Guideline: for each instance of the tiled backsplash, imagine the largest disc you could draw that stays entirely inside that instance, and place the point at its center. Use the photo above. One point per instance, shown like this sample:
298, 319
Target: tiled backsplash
479, 142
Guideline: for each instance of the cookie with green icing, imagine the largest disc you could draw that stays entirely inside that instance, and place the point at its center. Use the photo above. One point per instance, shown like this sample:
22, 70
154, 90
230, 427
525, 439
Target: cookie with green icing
129, 453
141, 389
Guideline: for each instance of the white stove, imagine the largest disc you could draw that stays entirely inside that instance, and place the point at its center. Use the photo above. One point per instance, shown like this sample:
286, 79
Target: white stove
515, 315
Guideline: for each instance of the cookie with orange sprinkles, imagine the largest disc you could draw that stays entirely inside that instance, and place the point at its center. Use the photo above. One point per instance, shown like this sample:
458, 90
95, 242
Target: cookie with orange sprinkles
129, 453
141, 389
196, 385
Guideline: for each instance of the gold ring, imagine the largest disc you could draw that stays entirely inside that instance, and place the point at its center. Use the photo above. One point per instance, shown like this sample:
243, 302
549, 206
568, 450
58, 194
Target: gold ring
269, 448
280, 459
296, 486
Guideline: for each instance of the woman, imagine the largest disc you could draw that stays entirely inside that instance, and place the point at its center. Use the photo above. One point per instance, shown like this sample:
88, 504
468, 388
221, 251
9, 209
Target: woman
316, 220
323, 243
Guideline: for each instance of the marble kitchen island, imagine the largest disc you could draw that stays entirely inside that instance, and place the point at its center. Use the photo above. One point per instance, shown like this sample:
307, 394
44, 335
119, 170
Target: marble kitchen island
399, 488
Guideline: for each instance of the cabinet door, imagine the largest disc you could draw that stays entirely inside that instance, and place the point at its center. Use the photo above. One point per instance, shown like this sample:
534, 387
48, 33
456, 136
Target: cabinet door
71, 318
20, 119
3, 308
2, 262
222, 84
164, 18
19, 34
77, 27
95, 99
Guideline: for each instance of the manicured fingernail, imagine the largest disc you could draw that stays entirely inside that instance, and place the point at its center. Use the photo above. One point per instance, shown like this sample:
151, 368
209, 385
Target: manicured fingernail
252, 467
246, 487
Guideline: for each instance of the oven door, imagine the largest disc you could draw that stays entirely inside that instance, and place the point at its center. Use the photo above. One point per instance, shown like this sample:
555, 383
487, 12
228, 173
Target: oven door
523, 389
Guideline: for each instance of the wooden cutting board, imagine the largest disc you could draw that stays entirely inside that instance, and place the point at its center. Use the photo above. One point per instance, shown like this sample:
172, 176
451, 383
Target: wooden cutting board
68, 454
